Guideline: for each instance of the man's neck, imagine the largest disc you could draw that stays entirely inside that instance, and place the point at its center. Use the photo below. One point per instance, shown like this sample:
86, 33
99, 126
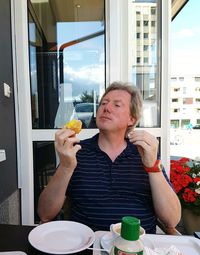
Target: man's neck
112, 144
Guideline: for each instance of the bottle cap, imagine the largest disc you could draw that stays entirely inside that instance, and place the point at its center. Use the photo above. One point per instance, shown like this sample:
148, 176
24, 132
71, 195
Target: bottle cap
130, 229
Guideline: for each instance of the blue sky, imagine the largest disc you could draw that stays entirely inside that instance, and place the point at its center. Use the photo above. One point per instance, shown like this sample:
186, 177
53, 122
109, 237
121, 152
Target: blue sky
185, 40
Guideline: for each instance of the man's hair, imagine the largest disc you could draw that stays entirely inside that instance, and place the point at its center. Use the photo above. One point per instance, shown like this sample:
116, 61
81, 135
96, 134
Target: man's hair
136, 98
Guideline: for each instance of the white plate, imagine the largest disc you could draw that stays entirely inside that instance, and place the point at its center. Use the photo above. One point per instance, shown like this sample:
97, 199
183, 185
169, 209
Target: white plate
61, 237
13, 253
107, 242
186, 244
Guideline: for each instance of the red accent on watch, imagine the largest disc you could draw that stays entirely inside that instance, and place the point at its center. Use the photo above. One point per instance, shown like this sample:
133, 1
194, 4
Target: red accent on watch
154, 169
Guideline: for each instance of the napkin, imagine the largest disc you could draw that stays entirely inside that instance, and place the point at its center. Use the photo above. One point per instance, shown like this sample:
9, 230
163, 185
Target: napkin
172, 250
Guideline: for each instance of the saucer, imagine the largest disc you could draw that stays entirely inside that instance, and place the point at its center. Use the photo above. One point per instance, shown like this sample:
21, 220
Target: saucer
107, 242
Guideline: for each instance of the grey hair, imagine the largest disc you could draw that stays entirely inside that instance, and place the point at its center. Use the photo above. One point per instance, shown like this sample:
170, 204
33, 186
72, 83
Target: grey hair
136, 98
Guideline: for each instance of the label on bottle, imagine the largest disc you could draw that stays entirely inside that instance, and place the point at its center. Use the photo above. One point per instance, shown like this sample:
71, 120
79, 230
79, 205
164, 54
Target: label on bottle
120, 252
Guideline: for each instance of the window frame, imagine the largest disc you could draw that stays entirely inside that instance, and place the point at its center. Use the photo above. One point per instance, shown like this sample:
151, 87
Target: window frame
117, 68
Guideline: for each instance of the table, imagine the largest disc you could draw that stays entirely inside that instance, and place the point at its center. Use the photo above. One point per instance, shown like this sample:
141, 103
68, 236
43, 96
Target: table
15, 238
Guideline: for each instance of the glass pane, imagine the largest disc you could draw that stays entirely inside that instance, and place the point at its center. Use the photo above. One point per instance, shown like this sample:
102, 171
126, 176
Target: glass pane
144, 31
44, 159
67, 61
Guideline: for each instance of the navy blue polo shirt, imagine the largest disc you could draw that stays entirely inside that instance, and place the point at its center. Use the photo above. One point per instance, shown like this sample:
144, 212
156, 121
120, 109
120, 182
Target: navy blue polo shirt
102, 191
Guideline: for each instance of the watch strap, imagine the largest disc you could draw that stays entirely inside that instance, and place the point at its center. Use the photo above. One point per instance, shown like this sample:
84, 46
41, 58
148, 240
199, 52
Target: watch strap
154, 169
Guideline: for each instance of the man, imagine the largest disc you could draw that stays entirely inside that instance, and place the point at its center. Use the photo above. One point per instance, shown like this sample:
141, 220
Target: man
113, 174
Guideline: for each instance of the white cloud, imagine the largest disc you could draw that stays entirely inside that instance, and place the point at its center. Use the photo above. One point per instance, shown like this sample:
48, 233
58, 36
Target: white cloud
185, 62
93, 74
186, 33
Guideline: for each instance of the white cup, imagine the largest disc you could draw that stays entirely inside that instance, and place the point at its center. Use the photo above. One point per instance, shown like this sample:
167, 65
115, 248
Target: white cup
115, 229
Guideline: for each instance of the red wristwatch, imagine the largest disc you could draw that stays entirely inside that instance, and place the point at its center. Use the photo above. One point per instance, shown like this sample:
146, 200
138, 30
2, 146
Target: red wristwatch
154, 169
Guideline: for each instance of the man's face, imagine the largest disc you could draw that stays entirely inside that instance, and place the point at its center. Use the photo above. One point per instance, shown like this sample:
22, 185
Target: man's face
114, 111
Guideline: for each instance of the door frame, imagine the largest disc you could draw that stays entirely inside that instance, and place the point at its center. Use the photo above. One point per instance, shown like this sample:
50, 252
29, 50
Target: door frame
116, 66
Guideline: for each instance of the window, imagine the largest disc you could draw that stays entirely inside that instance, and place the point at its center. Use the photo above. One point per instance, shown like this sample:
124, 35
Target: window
174, 100
173, 78
176, 110
197, 79
188, 100
181, 78
185, 122
59, 69
146, 60
184, 90
138, 23
197, 100
176, 89
153, 10
153, 23
174, 123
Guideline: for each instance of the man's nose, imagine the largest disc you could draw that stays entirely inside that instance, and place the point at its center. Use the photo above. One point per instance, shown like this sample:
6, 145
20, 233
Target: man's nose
107, 107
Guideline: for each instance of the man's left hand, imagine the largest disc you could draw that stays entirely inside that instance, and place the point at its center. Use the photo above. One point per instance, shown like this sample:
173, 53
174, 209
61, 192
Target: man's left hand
147, 145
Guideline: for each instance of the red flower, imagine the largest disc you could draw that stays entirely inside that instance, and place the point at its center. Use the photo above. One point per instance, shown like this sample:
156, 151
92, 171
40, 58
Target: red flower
184, 160
189, 195
184, 183
185, 180
196, 179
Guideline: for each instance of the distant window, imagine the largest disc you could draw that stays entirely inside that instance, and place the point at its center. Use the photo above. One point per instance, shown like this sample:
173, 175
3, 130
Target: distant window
145, 23
184, 123
197, 78
173, 78
138, 13
184, 90
176, 110
153, 23
138, 23
153, 11
174, 100
146, 35
146, 60
197, 89
181, 78
138, 60
175, 123
176, 89
138, 35
188, 100
197, 100
146, 47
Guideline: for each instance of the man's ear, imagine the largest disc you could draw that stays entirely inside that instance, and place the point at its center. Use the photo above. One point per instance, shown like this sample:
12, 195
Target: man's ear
132, 121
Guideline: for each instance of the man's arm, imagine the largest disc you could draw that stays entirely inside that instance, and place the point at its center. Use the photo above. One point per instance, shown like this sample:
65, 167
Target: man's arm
53, 196
166, 202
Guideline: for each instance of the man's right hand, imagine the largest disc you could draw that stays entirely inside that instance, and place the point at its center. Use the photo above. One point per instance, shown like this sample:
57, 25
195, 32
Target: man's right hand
67, 147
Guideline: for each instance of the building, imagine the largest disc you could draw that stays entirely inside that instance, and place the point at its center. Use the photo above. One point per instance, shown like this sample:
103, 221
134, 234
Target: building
185, 101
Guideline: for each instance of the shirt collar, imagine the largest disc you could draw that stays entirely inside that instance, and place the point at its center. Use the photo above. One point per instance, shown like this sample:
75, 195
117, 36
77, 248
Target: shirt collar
130, 149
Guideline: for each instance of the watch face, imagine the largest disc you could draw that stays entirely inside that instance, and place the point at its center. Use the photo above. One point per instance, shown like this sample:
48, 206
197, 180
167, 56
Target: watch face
159, 165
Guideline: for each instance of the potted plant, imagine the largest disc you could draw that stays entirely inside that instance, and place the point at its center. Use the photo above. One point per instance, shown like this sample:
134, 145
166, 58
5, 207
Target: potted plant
185, 178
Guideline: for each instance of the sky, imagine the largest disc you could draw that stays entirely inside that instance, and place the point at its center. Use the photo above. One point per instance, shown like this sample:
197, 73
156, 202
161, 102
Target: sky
185, 40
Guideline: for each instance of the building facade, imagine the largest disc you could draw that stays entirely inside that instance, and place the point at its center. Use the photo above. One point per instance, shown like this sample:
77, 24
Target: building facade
185, 101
